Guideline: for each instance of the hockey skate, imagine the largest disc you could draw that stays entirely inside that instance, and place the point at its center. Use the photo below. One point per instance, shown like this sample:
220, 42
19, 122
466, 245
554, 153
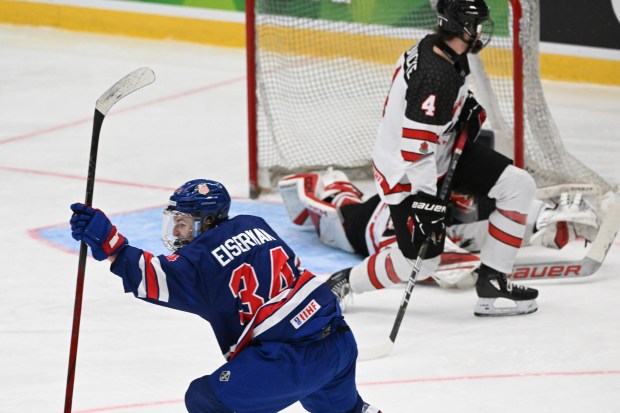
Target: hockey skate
338, 282
493, 285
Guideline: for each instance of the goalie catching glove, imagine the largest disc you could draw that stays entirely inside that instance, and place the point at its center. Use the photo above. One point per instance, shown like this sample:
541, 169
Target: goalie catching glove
429, 216
572, 217
94, 228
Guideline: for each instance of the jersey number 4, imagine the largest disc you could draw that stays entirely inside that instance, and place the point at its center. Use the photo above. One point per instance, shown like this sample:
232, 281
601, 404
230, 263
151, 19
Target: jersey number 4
244, 283
428, 106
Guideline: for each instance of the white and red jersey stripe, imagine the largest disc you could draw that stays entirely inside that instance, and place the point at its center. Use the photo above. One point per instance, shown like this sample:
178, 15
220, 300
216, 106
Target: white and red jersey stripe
409, 155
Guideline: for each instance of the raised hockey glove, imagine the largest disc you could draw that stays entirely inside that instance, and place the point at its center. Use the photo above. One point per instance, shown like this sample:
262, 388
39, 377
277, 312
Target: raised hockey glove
429, 220
94, 228
472, 117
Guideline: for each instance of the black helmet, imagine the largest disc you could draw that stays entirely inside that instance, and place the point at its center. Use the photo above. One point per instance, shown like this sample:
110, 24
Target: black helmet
466, 16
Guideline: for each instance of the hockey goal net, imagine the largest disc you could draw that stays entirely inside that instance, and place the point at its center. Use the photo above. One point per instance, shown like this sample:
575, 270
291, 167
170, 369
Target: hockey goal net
319, 72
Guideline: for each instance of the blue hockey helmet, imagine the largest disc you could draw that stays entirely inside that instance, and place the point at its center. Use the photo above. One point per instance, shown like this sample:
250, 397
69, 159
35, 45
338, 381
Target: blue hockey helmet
466, 16
194, 207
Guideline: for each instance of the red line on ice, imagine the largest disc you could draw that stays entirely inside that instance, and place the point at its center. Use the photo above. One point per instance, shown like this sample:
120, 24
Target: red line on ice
391, 382
115, 112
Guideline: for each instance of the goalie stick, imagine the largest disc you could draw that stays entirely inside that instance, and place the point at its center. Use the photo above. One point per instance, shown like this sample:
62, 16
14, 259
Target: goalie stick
587, 266
385, 348
128, 84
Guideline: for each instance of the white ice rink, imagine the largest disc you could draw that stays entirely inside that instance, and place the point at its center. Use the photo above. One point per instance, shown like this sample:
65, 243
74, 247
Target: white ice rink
134, 357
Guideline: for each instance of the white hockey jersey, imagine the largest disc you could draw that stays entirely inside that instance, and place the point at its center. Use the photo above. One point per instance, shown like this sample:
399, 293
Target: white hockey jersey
415, 136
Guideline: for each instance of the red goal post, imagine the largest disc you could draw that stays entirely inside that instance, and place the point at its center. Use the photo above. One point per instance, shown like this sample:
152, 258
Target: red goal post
319, 71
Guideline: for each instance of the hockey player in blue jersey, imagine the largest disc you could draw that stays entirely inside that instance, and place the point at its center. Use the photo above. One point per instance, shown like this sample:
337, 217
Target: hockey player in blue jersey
279, 328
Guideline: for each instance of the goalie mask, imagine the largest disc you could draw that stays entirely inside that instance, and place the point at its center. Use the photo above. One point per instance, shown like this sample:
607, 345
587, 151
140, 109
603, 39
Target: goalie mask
195, 207
466, 16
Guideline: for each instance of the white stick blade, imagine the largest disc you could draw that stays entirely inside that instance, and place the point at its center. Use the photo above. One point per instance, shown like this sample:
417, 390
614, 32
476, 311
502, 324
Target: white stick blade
606, 234
376, 352
128, 84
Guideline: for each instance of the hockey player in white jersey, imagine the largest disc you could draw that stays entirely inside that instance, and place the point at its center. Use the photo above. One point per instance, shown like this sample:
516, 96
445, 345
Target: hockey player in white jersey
428, 104
328, 201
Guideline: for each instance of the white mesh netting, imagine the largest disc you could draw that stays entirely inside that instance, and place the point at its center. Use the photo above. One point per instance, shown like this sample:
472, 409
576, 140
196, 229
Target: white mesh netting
324, 68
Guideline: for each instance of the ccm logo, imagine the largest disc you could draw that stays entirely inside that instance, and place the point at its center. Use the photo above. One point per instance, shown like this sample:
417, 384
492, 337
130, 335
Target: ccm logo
428, 207
550, 271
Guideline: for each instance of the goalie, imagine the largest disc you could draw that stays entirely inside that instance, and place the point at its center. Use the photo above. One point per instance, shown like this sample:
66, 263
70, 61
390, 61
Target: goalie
334, 206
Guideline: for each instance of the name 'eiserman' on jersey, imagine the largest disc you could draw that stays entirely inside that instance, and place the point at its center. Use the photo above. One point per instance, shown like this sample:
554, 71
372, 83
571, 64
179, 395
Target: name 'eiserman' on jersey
240, 243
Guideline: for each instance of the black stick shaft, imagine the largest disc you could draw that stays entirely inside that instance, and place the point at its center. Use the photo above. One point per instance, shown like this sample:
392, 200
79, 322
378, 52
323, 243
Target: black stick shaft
79, 289
443, 194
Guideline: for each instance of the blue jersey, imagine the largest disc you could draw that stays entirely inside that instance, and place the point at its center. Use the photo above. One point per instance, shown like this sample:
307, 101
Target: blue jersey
240, 277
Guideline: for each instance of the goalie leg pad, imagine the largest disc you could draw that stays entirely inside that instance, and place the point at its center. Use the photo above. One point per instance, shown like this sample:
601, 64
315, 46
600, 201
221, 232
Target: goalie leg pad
387, 268
331, 186
294, 190
328, 224
457, 267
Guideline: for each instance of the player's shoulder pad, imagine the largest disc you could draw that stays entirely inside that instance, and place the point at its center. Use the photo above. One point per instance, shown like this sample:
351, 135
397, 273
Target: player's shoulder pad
432, 85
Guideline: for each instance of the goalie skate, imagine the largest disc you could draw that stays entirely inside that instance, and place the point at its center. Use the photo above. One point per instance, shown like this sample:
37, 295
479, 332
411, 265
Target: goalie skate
500, 297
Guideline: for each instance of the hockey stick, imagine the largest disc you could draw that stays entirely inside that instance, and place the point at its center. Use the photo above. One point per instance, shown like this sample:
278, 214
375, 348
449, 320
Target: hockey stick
587, 266
384, 349
128, 84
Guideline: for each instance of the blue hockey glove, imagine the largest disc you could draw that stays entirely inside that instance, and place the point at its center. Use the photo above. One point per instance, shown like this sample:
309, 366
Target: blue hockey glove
429, 216
94, 228
472, 117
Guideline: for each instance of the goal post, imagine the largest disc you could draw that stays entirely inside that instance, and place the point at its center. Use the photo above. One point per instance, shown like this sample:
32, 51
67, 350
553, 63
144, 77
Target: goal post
319, 72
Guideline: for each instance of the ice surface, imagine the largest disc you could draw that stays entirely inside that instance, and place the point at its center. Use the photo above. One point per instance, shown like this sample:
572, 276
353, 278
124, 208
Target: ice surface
191, 123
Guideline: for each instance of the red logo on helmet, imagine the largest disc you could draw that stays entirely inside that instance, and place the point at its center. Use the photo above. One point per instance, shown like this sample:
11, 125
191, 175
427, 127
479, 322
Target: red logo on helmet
203, 189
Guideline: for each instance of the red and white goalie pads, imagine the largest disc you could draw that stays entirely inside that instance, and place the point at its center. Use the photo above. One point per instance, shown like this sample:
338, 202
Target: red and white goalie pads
571, 218
454, 268
314, 199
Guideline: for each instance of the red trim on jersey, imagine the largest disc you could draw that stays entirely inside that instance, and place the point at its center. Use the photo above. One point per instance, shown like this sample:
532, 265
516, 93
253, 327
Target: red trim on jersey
372, 273
384, 185
267, 310
514, 216
389, 268
387, 98
504, 237
420, 135
152, 288
412, 156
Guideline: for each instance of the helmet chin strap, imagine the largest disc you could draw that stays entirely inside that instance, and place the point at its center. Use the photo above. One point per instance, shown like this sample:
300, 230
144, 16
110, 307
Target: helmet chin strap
459, 60
448, 51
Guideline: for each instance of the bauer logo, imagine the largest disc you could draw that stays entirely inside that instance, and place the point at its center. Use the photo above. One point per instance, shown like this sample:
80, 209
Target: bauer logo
305, 314
428, 207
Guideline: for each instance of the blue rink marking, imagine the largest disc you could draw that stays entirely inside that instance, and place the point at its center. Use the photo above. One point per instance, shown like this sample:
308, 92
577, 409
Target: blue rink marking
143, 230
